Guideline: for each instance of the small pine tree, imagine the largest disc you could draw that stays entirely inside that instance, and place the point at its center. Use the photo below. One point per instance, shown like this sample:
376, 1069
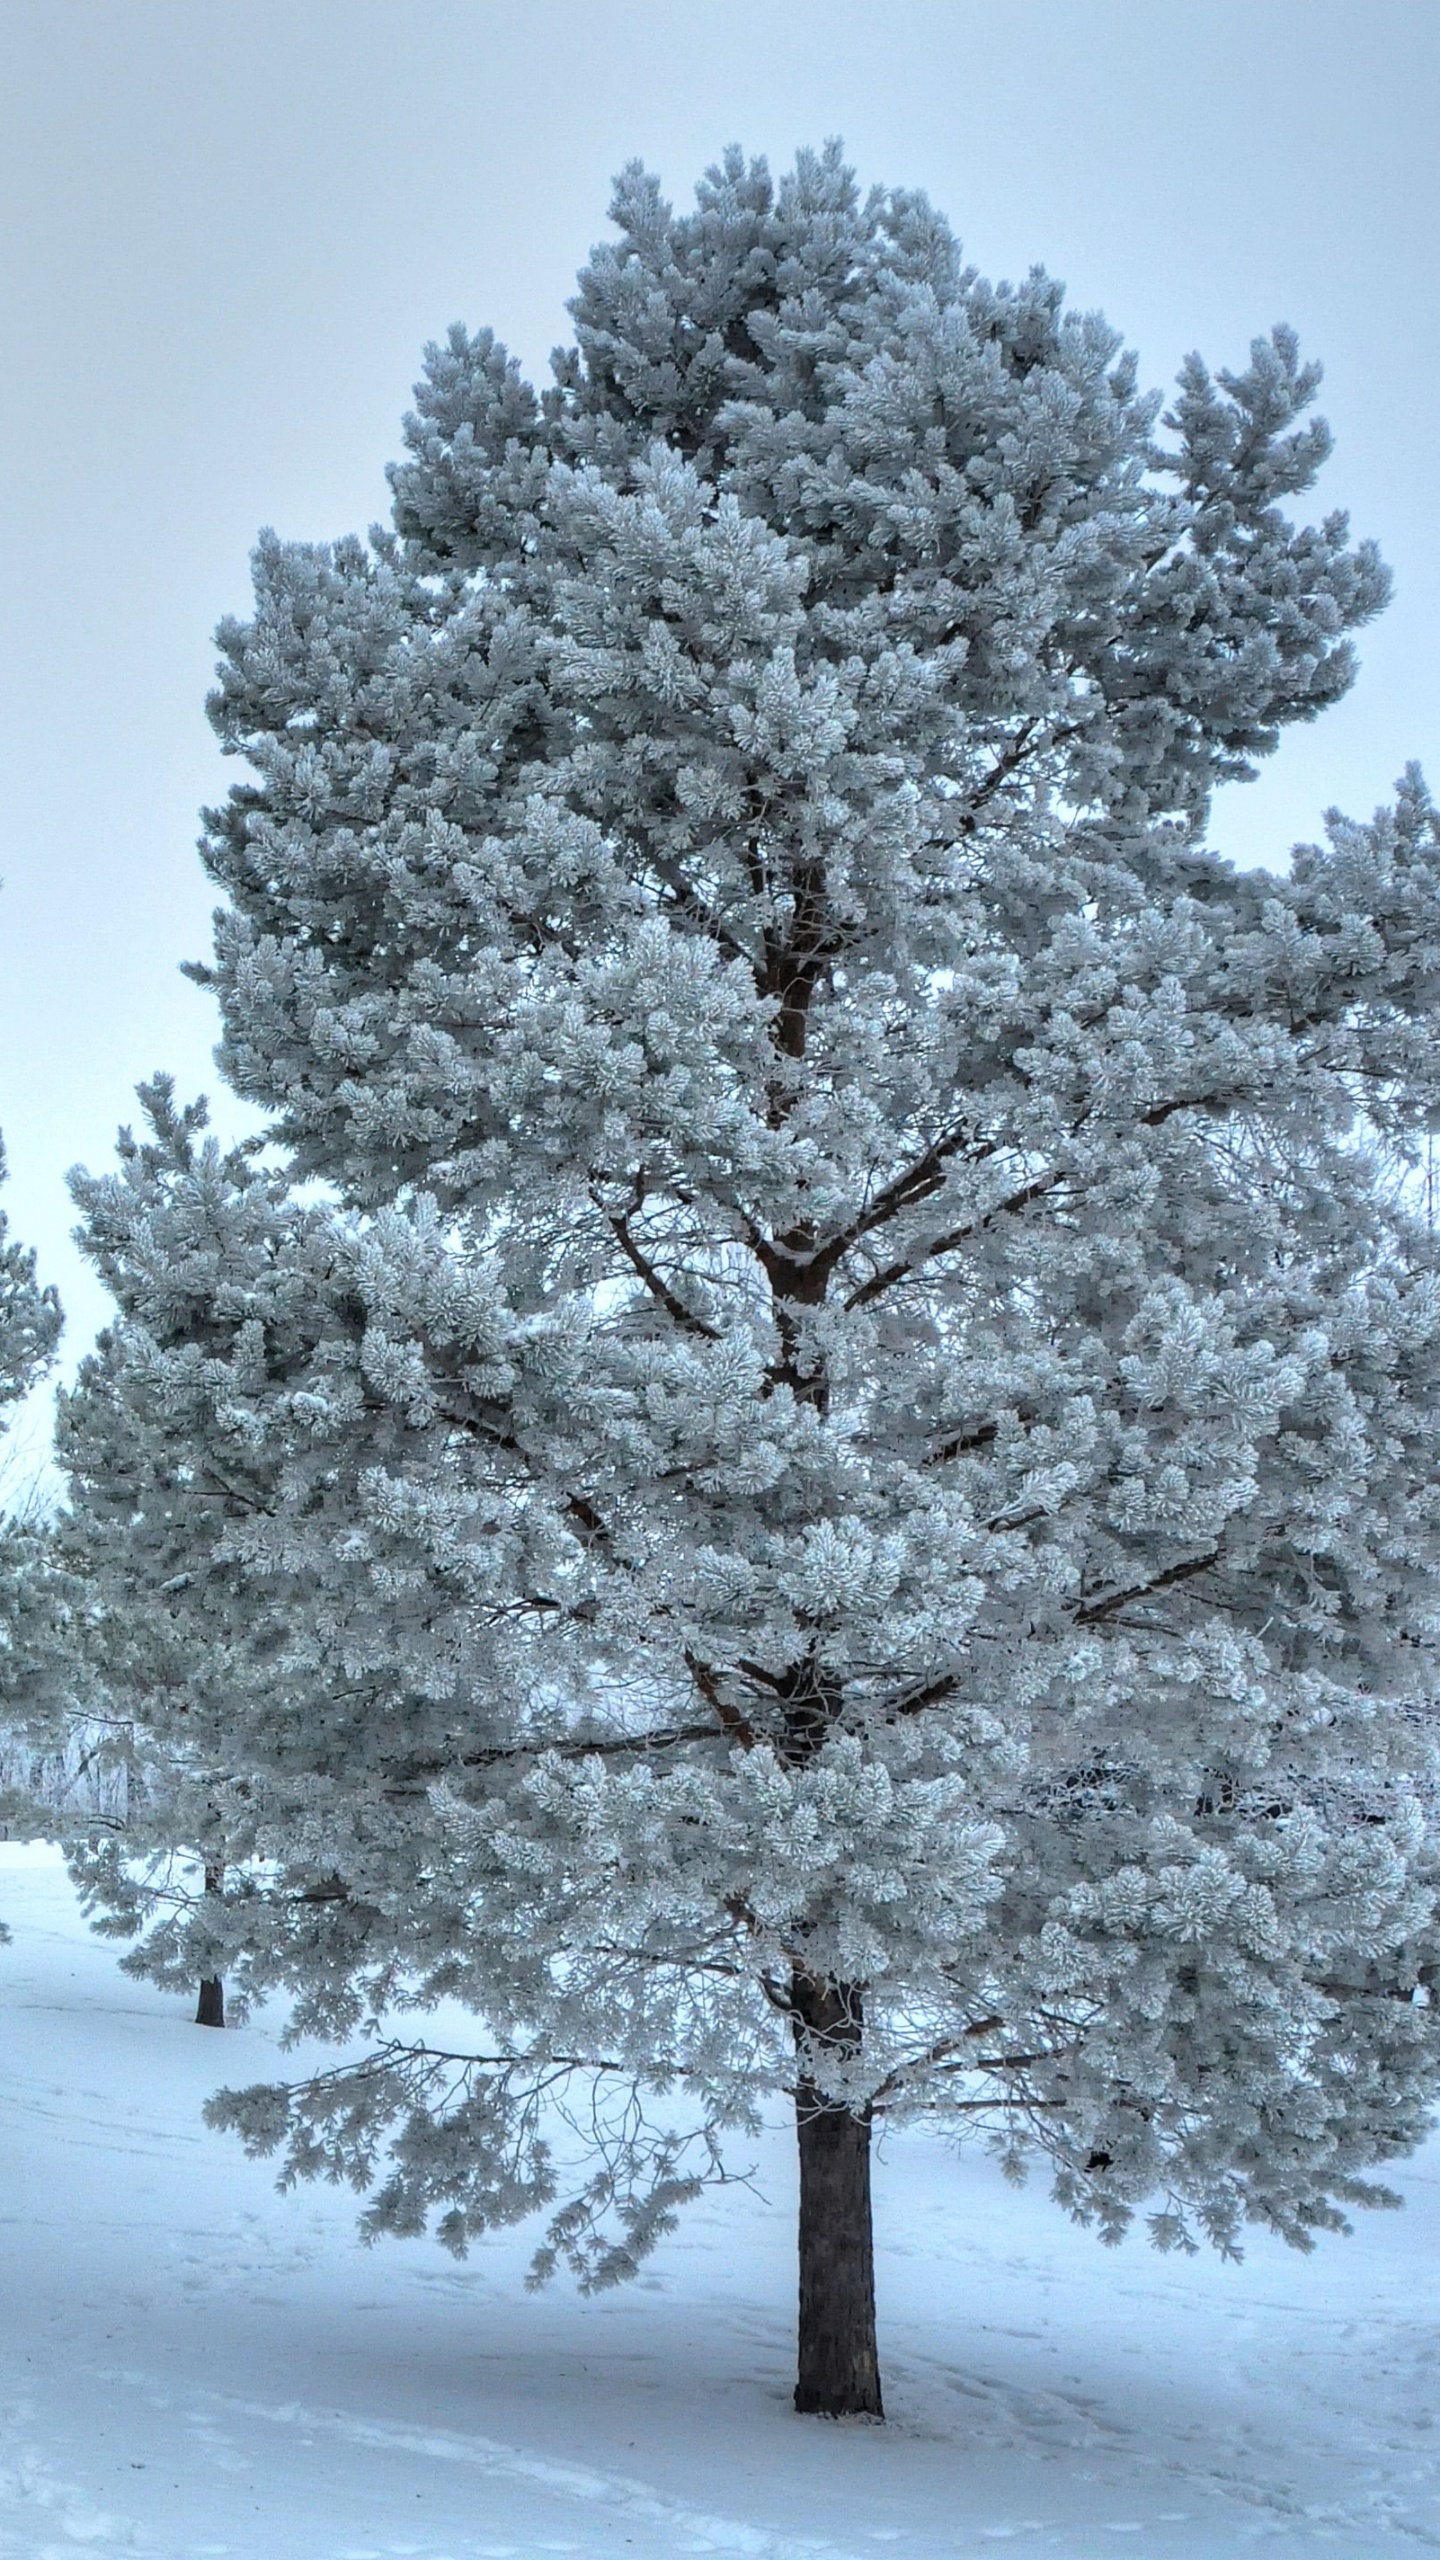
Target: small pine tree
155, 1654
29, 1330
816, 1472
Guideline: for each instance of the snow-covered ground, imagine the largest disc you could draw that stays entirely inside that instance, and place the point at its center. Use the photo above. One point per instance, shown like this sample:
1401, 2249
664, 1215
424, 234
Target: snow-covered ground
193, 2365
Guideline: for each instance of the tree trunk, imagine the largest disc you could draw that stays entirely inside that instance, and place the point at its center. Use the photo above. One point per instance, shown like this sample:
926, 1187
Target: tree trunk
839, 2366
210, 2009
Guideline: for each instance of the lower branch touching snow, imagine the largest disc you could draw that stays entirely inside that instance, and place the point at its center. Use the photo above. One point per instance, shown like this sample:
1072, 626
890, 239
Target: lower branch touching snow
470, 2139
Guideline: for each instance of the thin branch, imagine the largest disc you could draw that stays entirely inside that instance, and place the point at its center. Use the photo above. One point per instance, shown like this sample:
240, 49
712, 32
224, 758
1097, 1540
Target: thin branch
706, 1681
962, 1445
921, 1180
909, 1264
477, 1423
228, 1493
1010, 2061
1092, 1614
394, 2054
1001, 770
933, 1695
1013, 2105
1095, 1610
578, 1747
934, 2053
659, 1288
905, 1190
689, 901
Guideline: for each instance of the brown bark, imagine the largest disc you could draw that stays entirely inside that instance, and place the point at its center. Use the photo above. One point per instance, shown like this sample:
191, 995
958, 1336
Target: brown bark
839, 2364
210, 2008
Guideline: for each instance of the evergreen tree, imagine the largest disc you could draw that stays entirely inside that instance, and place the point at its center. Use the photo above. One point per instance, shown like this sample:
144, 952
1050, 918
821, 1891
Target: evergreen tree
816, 1471
29, 1330
153, 1657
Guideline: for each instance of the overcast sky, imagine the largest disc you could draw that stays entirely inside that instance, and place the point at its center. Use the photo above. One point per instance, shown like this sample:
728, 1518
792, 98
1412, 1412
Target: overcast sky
229, 227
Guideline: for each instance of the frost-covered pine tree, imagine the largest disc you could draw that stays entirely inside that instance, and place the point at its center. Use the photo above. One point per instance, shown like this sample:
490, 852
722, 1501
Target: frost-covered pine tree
29, 1330
817, 1474
156, 1647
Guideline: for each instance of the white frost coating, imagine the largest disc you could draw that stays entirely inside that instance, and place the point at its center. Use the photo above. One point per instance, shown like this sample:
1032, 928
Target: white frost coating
839, 1388
34, 1759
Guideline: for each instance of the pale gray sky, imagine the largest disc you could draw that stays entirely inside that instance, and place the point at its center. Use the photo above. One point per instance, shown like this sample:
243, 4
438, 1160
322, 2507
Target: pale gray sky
230, 225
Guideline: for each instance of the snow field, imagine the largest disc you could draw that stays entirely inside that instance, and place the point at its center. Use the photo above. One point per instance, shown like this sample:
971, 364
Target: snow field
195, 2368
